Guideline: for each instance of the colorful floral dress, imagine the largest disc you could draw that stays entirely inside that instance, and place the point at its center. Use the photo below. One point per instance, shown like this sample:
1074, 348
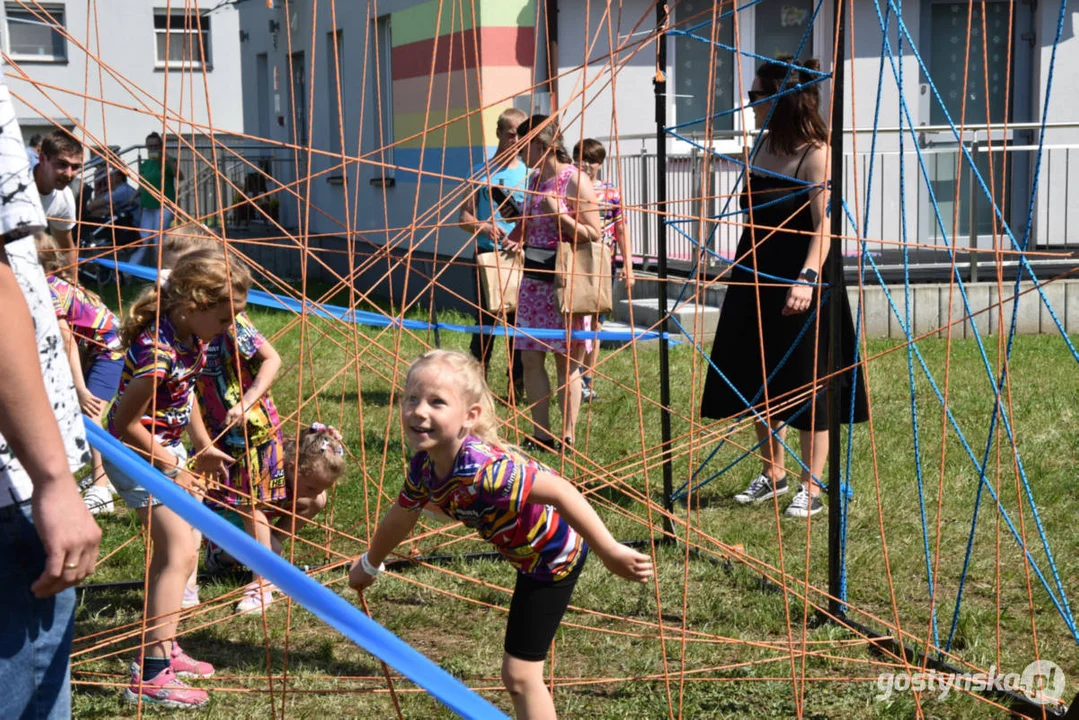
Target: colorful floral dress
610, 209
95, 327
536, 304
257, 447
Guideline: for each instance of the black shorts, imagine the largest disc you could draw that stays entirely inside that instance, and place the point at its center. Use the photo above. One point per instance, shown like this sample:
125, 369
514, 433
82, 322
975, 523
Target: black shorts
536, 611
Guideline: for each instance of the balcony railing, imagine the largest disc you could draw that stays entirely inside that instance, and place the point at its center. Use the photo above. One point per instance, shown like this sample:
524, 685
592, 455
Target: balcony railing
925, 181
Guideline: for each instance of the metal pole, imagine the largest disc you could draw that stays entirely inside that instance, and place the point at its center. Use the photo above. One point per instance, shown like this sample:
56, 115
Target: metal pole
647, 236
835, 278
973, 234
660, 83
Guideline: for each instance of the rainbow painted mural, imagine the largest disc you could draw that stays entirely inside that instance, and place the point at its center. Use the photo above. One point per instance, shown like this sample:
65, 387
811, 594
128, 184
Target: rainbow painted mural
455, 70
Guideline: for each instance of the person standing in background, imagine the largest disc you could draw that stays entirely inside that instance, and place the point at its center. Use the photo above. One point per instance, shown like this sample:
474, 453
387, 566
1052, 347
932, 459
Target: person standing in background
482, 217
589, 155
158, 174
33, 148
59, 163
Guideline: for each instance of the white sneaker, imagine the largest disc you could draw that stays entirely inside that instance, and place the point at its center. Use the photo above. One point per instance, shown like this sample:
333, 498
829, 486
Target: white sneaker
254, 600
803, 505
98, 499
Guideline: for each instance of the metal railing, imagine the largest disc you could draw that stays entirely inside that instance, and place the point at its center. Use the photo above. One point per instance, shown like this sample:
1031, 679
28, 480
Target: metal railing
241, 179
703, 203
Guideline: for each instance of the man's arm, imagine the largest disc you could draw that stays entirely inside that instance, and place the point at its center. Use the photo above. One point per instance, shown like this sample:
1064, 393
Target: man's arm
66, 528
468, 221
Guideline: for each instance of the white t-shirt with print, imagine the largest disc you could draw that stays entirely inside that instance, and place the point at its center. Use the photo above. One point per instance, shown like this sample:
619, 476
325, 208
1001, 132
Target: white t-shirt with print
15, 485
20, 212
59, 207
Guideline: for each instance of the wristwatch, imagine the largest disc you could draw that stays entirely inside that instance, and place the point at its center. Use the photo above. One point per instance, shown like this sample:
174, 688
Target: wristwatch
809, 275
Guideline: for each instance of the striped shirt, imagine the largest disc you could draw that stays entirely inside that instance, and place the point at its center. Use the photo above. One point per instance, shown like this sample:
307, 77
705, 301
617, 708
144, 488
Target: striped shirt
94, 325
159, 354
487, 490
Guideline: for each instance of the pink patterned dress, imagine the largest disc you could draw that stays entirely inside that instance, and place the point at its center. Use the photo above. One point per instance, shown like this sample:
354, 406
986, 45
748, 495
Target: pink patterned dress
536, 305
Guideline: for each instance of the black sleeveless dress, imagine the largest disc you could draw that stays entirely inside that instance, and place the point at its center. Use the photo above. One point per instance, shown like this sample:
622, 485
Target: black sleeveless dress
790, 341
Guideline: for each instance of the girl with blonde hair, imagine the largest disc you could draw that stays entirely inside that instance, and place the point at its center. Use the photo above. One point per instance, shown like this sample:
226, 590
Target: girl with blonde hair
536, 520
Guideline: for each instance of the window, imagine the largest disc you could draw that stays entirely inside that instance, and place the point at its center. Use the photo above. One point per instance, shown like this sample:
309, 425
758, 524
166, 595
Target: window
336, 85
949, 57
182, 40
769, 28
383, 131
36, 35
692, 57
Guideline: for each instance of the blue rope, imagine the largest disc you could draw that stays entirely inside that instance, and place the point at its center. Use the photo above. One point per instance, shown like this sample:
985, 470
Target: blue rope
1061, 608
1025, 266
322, 602
749, 405
1011, 336
365, 317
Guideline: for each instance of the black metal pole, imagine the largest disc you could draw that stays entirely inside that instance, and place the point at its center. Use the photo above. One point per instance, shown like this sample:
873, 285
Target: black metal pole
835, 287
660, 83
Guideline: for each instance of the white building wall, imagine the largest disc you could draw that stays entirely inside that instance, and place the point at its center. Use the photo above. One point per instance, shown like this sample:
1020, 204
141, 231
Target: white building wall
591, 108
112, 63
371, 208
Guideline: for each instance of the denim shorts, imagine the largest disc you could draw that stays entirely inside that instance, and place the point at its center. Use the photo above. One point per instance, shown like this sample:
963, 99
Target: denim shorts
35, 635
103, 376
134, 495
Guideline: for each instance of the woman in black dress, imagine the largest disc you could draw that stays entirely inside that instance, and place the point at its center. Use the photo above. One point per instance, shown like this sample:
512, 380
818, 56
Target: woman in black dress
785, 239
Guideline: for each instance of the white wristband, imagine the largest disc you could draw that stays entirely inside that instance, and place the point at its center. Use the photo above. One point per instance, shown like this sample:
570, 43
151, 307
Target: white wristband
369, 568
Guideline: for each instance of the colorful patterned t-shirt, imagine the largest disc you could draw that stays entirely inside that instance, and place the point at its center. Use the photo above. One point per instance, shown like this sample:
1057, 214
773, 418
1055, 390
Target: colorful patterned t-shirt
95, 326
158, 353
220, 387
610, 208
488, 490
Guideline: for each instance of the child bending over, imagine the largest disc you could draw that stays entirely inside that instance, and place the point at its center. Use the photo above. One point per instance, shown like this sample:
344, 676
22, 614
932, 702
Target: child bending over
91, 337
536, 520
165, 353
316, 462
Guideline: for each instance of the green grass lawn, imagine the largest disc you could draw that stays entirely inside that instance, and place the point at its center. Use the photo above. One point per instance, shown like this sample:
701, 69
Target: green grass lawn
710, 639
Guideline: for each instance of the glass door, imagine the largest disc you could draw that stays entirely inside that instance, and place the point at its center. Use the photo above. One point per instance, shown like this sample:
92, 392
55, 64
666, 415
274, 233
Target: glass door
980, 73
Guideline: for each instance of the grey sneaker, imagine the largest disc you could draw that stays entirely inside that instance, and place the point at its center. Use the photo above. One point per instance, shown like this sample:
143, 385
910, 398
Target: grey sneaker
803, 505
588, 394
761, 489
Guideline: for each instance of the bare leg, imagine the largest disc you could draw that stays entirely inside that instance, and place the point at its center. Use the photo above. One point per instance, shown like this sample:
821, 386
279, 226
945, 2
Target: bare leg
771, 448
524, 682
592, 356
258, 527
814, 456
196, 543
173, 560
538, 392
569, 395
100, 478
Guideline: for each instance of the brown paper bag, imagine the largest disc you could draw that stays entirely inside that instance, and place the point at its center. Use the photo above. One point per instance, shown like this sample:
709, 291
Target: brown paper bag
582, 282
500, 280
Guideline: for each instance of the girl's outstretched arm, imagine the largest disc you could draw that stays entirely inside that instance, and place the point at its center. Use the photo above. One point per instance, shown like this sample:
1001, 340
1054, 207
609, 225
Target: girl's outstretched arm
549, 489
394, 528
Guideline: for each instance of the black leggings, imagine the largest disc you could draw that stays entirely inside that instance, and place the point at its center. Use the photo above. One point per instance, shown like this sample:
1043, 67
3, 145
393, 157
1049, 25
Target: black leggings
536, 611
